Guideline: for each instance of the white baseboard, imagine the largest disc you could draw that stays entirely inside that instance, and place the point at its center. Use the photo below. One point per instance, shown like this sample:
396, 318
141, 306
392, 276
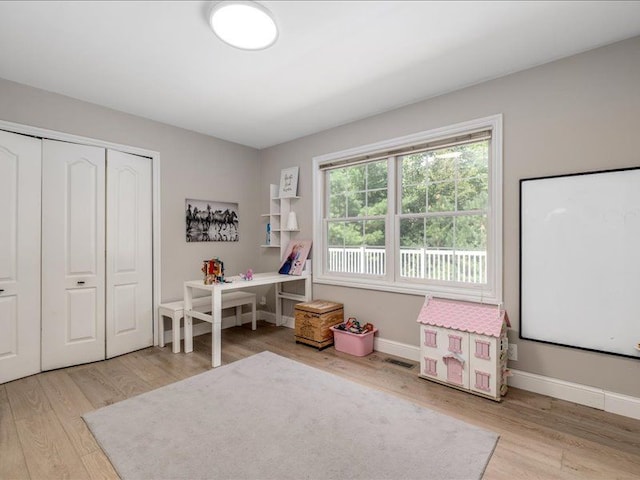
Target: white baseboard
410, 352
622, 405
611, 402
573, 392
289, 322
205, 327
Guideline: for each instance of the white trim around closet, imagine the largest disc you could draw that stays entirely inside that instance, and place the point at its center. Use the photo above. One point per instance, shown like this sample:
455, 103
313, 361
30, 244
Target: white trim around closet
155, 159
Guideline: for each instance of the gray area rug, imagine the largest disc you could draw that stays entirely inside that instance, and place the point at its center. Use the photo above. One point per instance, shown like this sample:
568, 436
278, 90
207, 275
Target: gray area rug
268, 417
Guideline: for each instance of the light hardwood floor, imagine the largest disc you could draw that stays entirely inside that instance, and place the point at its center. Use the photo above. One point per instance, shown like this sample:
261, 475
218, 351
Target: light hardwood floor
42, 434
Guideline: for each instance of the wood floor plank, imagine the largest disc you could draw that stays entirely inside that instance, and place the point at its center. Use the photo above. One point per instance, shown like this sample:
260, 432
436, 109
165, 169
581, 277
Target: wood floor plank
98, 389
155, 376
535, 451
181, 365
599, 465
99, 466
47, 449
64, 395
12, 461
69, 403
26, 397
580, 422
504, 465
122, 378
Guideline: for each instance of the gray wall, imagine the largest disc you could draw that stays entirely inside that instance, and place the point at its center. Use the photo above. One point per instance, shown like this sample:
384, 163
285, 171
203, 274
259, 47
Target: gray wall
191, 165
577, 114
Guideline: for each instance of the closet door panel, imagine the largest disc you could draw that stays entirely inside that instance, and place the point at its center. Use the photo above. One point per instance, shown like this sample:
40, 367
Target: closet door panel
124, 309
129, 253
73, 275
20, 170
79, 303
8, 326
8, 213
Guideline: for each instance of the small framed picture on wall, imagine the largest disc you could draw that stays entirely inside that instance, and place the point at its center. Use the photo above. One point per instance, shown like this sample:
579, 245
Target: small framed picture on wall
288, 182
211, 221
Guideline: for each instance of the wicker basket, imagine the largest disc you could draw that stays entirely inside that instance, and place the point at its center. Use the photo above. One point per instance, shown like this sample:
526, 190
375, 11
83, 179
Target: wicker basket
314, 321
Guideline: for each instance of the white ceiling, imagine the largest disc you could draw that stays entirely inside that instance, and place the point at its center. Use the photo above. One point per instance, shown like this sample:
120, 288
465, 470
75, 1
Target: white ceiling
334, 62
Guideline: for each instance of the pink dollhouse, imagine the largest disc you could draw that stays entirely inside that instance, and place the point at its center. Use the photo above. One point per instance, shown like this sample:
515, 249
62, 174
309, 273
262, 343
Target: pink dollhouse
464, 345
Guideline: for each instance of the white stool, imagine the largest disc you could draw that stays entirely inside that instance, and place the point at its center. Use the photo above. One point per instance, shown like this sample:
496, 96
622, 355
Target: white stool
175, 311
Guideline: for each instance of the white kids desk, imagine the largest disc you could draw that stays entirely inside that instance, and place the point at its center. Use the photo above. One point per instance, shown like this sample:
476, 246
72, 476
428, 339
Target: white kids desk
237, 283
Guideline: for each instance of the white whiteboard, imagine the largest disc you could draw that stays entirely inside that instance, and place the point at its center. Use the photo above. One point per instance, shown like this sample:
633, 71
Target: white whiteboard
580, 261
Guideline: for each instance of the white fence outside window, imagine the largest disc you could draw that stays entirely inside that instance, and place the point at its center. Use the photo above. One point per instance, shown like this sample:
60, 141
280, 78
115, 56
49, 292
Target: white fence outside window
444, 265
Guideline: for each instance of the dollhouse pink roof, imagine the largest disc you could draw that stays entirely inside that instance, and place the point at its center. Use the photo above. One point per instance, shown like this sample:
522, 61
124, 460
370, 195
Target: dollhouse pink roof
464, 316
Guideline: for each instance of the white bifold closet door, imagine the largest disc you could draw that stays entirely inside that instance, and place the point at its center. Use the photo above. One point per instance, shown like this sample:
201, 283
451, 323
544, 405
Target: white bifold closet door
129, 253
96, 254
73, 251
19, 256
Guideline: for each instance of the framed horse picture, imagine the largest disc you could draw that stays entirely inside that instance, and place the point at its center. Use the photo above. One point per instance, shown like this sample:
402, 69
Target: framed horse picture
211, 221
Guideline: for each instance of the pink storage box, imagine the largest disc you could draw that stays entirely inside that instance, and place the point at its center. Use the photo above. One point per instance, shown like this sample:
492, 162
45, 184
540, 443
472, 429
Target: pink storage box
353, 343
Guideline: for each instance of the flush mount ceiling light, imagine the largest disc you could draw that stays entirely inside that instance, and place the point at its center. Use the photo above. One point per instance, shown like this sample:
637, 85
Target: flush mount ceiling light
243, 24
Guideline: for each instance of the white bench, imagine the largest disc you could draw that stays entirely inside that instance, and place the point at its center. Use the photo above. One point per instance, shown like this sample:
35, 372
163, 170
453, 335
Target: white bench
175, 311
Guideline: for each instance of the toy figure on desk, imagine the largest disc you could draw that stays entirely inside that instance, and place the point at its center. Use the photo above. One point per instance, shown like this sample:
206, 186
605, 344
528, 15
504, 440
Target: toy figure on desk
213, 271
247, 276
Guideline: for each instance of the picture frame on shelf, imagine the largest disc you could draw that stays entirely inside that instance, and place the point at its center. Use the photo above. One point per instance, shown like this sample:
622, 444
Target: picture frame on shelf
288, 182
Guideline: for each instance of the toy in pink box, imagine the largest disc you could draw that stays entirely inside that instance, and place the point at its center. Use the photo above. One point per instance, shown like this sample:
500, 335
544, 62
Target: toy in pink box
358, 344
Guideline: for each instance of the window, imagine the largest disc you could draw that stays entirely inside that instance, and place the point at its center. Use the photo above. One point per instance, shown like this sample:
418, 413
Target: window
415, 214
430, 338
455, 344
482, 381
357, 218
430, 366
443, 213
482, 349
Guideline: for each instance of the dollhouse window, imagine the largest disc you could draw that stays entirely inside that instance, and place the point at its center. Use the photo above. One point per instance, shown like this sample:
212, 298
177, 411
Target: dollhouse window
430, 365
482, 381
430, 338
455, 344
482, 349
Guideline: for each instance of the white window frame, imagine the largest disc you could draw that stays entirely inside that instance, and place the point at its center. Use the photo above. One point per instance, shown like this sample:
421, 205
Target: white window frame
491, 292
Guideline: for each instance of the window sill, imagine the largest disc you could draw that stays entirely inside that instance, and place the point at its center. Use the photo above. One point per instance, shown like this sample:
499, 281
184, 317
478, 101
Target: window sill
442, 291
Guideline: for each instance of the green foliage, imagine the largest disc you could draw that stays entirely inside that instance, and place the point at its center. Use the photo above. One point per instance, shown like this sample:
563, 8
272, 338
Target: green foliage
356, 233
356, 192
438, 186
449, 180
374, 233
471, 232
